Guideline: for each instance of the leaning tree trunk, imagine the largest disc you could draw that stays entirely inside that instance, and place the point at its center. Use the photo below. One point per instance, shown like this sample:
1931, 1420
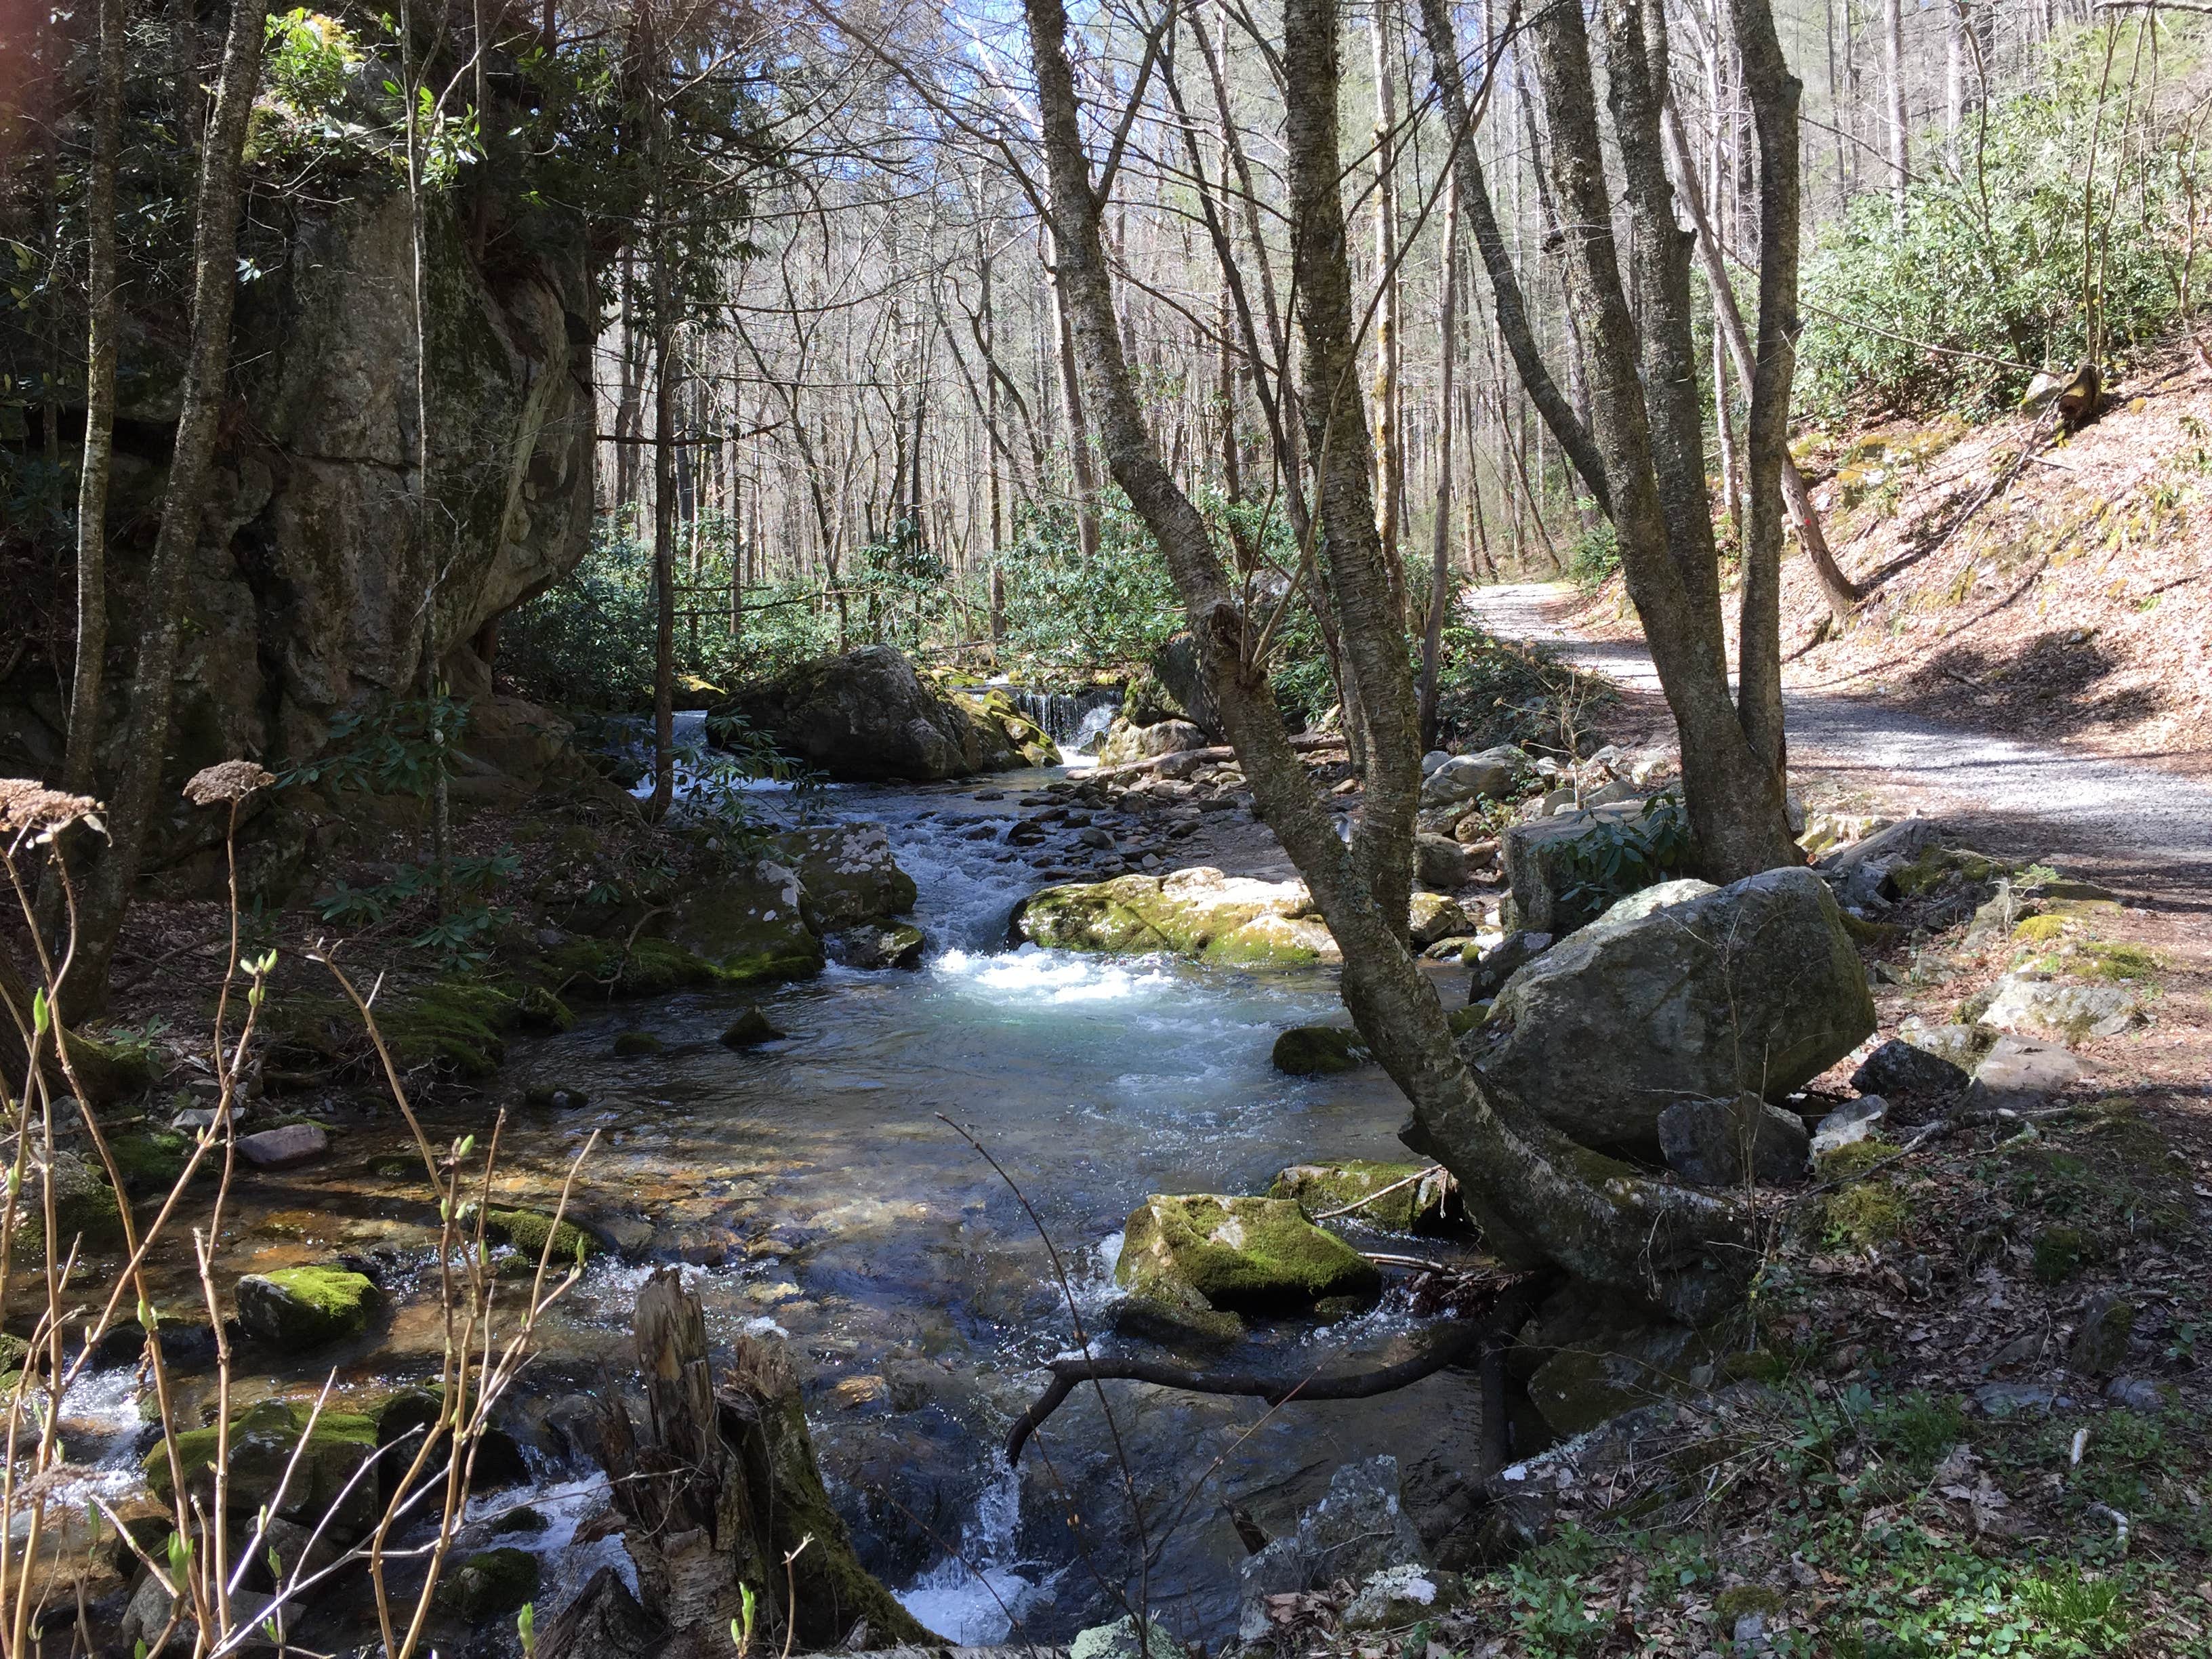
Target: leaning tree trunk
191, 468
721, 1489
1539, 1197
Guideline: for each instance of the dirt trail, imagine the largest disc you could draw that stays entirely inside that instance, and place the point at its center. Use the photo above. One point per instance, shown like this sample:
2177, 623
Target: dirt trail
2143, 829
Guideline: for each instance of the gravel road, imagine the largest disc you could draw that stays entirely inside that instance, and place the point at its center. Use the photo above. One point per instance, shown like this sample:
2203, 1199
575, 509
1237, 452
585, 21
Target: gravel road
2149, 831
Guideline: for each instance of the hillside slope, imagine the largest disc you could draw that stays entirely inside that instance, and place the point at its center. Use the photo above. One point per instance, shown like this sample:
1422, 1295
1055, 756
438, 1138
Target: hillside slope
2017, 579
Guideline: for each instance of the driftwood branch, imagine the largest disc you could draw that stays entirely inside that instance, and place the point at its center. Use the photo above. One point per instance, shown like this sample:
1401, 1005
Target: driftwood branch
1460, 1342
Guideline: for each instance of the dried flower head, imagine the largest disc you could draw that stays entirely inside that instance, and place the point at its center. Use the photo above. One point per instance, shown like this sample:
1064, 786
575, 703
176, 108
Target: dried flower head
226, 780
30, 810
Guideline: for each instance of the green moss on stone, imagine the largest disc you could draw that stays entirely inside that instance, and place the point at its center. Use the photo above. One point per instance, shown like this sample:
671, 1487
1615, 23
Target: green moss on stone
1866, 1214
2060, 1252
85, 1210
490, 1583
529, 1230
150, 1162
305, 1307
539, 1010
1414, 1194
1319, 1050
263, 1443
1240, 1254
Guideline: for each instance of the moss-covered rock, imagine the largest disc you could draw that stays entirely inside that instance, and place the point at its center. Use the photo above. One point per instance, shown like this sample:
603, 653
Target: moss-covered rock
85, 1210
634, 1045
643, 967
750, 927
296, 1307
1432, 916
1415, 1197
1231, 919
151, 1161
263, 1443
490, 1583
528, 1231
1237, 1255
750, 1030
1319, 1051
538, 1009
846, 874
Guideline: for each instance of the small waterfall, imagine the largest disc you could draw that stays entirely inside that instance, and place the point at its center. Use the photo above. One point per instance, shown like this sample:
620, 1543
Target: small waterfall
1068, 717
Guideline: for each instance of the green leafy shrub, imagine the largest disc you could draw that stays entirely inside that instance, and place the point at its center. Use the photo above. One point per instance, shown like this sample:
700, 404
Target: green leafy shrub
1595, 556
1990, 261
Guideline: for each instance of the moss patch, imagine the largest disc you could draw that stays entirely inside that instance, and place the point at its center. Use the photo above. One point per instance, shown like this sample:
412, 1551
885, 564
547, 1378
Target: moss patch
1413, 1199
1319, 1050
85, 1209
649, 967
490, 1583
305, 1307
262, 1444
1869, 1214
1239, 1255
528, 1231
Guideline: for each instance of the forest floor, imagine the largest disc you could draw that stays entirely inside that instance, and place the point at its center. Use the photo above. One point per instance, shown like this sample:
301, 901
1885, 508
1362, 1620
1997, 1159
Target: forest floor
1978, 1421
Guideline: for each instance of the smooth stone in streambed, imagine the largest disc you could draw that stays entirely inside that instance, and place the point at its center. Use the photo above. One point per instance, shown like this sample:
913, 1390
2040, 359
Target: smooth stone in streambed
275, 1149
749, 1030
1319, 1050
634, 1045
305, 1307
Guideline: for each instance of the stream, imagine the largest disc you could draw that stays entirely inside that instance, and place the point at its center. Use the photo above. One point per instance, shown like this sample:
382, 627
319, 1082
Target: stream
814, 1191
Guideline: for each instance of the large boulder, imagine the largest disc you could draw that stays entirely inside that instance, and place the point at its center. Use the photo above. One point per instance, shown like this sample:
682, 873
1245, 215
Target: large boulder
1466, 777
867, 716
1546, 859
846, 874
1127, 741
750, 924
318, 1479
1235, 921
1237, 1256
1755, 988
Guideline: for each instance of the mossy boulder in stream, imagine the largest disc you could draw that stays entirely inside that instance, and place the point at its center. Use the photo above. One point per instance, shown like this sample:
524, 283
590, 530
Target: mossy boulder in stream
85, 1209
1319, 1051
1233, 920
640, 968
1238, 1254
529, 1230
296, 1308
1414, 1197
846, 874
750, 927
263, 1445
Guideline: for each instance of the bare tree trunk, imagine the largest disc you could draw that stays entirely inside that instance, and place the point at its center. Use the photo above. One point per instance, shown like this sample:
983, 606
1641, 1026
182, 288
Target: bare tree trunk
1389, 463
102, 286
1440, 579
1497, 260
1539, 1197
664, 435
1078, 429
1892, 41
146, 730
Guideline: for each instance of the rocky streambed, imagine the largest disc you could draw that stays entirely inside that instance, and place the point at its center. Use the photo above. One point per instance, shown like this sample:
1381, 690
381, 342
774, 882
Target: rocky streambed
812, 1190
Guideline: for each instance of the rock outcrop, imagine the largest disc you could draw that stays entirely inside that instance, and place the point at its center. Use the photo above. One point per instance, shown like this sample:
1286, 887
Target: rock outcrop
868, 717
1755, 988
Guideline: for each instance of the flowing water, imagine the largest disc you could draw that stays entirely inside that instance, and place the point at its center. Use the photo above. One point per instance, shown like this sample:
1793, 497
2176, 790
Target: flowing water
815, 1189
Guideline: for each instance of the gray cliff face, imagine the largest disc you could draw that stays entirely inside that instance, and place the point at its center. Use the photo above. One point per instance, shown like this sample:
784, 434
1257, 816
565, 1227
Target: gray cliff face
314, 562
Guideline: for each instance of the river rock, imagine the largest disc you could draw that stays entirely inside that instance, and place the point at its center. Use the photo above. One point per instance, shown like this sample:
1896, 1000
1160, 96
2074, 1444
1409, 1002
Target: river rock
1489, 775
751, 923
1232, 920
1415, 1197
1440, 862
85, 1207
1899, 1066
1319, 1050
1238, 1255
490, 1583
1360, 1527
877, 945
1849, 1124
750, 1030
1649, 901
1706, 1141
868, 717
280, 1148
297, 1307
846, 874
1502, 960
1432, 916
263, 1443
2065, 1013
1754, 988
1119, 1641
1540, 865
1125, 741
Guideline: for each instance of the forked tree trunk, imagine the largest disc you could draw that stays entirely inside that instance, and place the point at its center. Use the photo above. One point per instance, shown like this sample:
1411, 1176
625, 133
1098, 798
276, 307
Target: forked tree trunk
1652, 442
191, 467
1539, 1197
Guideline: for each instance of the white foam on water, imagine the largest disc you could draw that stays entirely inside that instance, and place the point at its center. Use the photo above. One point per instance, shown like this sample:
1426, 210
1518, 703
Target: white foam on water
972, 1599
1032, 973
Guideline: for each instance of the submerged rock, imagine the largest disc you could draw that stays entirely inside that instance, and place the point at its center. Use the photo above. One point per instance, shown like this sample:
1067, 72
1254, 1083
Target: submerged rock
298, 1308
1237, 1256
1319, 1050
868, 717
529, 1231
1414, 1196
1755, 989
1232, 920
634, 1045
